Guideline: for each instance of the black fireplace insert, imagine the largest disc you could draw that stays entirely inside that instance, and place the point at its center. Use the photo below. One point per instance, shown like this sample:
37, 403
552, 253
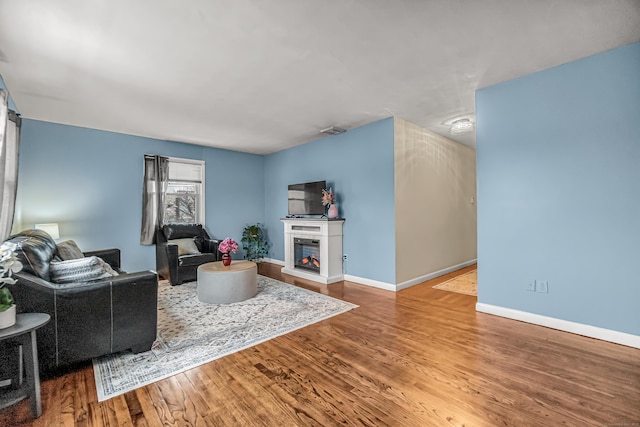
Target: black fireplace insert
306, 254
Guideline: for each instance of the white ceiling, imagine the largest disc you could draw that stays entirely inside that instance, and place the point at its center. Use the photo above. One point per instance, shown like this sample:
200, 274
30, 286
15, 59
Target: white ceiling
261, 76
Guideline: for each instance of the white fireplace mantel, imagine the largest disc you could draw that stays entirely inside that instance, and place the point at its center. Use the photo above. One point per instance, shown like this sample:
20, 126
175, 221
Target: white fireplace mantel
329, 233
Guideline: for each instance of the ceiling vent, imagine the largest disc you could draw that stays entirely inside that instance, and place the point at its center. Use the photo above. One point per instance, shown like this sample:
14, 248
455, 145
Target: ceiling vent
333, 130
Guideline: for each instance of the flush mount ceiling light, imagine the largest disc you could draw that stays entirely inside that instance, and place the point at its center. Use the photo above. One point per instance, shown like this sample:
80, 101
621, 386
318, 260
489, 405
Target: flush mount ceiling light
461, 126
333, 130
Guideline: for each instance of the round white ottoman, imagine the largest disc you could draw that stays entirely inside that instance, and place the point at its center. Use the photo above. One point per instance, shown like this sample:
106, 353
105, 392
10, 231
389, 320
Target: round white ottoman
218, 284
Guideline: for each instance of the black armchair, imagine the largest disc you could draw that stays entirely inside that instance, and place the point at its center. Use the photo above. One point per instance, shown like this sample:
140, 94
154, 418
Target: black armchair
88, 319
180, 249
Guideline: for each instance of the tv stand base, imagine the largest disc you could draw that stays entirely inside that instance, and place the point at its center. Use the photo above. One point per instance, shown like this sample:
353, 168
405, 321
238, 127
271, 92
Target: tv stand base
311, 276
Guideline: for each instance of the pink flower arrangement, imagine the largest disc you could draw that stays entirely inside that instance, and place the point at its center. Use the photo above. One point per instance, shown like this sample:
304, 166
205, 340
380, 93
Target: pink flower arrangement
328, 198
228, 245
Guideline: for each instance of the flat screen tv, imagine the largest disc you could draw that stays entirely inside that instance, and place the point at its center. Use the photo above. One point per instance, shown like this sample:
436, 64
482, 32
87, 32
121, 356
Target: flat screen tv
306, 198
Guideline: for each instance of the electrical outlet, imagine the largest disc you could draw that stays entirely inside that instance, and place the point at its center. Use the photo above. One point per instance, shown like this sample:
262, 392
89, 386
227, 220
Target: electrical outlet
531, 286
345, 257
542, 286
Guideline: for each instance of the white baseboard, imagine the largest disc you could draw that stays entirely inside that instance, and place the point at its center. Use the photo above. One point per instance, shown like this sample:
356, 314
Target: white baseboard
356, 279
390, 286
562, 325
370, 282
408, 283
433, 275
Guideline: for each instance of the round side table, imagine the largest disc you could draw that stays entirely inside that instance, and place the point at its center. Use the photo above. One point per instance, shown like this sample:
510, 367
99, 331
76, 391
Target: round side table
23, 334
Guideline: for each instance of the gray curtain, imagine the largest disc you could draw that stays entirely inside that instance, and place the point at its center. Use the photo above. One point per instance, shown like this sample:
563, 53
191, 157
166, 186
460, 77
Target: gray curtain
156, 172
9, 144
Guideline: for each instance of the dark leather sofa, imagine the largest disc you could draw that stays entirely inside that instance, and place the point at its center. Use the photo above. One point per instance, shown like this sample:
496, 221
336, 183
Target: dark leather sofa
89, 319
180, 268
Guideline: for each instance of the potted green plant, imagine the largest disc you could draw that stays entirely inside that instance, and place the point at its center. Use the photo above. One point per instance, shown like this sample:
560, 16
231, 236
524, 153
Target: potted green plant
8, 265
254, 242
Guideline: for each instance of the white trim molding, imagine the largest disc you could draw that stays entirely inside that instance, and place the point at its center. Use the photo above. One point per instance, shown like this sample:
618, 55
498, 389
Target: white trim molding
408, 283
417, 280
348, 277
390, 286
562, 325
370, 282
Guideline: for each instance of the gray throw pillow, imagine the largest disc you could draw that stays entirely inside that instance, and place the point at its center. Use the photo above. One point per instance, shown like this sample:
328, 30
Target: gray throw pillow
80, 270
69, 250
186, 246
107, 267
35, 250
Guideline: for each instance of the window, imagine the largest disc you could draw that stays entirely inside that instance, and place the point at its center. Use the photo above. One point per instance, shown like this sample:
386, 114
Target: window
184, 196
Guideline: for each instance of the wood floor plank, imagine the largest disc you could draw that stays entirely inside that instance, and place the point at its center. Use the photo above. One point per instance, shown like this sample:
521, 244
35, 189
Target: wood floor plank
417, 357
161, 407
81, 396
148, 415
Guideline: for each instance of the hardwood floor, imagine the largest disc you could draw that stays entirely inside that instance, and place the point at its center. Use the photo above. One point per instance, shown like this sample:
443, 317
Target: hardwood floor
418, 357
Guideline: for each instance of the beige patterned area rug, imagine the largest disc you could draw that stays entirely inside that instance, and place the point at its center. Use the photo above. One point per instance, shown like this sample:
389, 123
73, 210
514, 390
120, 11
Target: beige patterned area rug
464, 284
191, 332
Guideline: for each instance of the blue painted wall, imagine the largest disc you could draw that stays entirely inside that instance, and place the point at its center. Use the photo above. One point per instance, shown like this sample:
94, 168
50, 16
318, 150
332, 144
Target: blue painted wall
358, 165
90, 183
234, 193
558, 164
